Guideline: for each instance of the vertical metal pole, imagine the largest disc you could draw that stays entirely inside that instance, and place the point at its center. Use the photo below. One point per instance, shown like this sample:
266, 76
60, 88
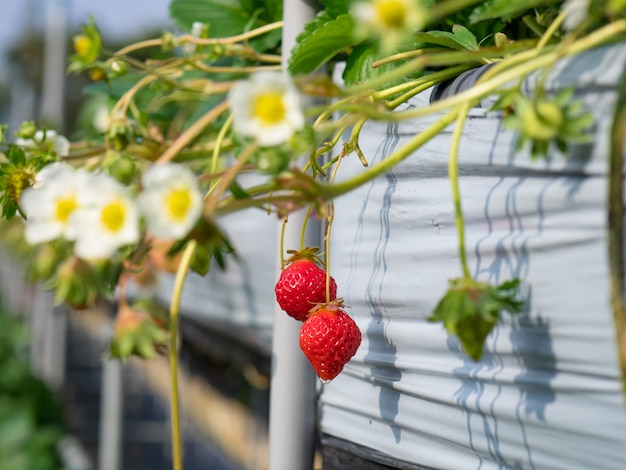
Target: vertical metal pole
42, 306
54, 63
292, 389
110, 442
54, 345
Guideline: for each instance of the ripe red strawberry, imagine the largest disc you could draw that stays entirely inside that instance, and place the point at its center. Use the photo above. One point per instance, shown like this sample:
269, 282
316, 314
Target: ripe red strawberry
329, 338
302, 284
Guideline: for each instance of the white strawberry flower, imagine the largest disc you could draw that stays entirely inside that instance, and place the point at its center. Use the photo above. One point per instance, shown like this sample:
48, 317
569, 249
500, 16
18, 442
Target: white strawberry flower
170, 200
390, 20
107, 220
266, 107
50, 203
52, 142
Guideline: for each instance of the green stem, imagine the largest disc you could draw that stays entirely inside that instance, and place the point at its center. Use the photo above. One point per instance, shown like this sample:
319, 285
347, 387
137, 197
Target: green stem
283, 226
453, 174
529, 20
328, 192
228, 177
329, 224
611, 32
305, 223
552, 29
192, 132
181, 274
615, 217
218, 147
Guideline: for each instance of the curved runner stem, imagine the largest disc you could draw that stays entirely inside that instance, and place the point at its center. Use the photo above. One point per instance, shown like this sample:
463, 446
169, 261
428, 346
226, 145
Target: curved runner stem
615, 219
181, 274
453, 174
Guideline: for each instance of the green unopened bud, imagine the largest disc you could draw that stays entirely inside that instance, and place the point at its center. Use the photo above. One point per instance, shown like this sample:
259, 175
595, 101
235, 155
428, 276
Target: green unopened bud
76, 284
120, 134
550, 113
168, 41
44, 263
27, 130
135, 333
120, 167
533, 124
118, 68
502, 40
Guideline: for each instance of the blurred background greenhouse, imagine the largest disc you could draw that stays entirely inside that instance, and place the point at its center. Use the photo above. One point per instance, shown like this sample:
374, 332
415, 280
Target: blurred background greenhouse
62, 404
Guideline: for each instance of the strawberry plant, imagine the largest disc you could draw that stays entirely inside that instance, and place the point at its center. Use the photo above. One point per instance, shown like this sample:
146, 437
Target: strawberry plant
149, 186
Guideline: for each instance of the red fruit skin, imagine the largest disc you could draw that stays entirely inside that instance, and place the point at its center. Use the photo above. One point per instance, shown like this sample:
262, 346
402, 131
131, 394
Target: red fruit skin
329, 338
301, 286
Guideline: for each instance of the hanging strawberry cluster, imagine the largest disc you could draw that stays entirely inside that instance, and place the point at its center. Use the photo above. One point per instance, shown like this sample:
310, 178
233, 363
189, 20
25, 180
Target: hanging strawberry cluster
329, 337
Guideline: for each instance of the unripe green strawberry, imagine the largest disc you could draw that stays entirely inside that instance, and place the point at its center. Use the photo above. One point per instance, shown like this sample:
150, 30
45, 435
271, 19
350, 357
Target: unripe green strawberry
329, 338
302, 285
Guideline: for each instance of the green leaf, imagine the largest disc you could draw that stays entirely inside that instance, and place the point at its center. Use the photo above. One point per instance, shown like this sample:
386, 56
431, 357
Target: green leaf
472, 332
200, 260
460, 38
464, 37
506, 99
512, 284
224, 17
359, 65
449, 307
16, 155
322, 39
471, 309
336, 7
9, 209
237, 190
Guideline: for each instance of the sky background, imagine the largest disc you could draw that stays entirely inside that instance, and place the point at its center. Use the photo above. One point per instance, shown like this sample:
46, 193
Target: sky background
117, 19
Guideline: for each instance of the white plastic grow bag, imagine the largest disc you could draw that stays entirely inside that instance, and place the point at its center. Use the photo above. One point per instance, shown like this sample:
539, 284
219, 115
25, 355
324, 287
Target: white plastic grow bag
547, 391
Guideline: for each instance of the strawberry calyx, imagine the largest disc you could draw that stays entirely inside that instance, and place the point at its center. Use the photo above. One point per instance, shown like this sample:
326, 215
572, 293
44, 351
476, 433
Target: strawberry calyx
307, 253
332, 306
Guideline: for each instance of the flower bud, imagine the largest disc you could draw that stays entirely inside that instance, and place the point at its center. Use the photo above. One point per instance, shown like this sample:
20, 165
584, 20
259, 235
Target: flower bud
27, 130
118, 68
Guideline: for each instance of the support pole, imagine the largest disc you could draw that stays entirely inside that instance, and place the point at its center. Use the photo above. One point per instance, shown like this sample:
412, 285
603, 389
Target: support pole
111, 416
292, 389
54, 64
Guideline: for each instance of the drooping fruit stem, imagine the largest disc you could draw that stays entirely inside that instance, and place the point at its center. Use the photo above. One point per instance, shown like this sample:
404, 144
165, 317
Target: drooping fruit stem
331, 191
305, 223
283, 226
615, 216
192, 132
329, 223
453, 174
181, 274
217, 149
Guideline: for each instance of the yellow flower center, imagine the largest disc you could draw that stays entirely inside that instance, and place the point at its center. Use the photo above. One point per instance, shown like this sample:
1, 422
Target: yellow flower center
392, 13
178, 202
82, 44
113, 216
64, 208
269, 108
